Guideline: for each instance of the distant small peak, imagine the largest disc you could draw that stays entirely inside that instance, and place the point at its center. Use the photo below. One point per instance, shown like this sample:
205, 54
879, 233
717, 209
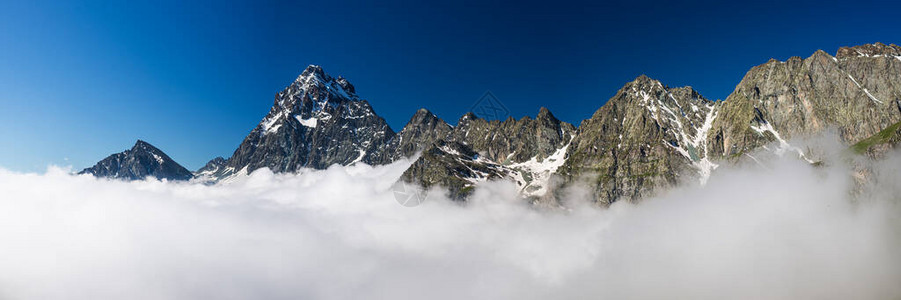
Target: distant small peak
643, 78
313, 69
423, 116
423, 111
545, 113
643, 82
314, 75
820, 54
469, 116
142, 144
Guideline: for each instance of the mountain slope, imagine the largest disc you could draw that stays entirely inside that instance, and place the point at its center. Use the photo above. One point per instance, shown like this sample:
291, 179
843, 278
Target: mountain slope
646, 137
423, 130
137, 163
857, 92
886, 139
526, 151
317, 121
454, 166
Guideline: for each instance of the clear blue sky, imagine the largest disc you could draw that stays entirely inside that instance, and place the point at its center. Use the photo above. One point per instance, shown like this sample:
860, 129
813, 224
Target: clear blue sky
81, 80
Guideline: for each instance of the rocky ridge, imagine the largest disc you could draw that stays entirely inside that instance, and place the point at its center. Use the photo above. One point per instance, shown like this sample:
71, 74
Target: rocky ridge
646, 137
644, 140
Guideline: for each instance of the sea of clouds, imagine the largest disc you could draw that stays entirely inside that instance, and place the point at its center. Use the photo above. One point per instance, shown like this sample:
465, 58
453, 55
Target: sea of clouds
777, 229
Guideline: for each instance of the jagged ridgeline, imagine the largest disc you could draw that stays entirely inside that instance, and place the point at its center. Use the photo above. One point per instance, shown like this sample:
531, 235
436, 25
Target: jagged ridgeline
645, 139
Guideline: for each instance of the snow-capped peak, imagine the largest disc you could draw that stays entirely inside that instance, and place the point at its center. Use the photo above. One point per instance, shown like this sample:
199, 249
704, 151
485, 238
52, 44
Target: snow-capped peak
314, 81
308, 99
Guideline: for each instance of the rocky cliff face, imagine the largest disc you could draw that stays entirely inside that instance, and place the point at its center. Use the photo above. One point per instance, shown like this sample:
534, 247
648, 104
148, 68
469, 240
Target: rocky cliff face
317, 121
856, 92
527, 151
646, 137
649, 137
421, 132
455, 166
514, 141
141, 161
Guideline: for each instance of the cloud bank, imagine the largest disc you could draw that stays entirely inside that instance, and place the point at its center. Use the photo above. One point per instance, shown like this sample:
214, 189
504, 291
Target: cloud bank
776, 230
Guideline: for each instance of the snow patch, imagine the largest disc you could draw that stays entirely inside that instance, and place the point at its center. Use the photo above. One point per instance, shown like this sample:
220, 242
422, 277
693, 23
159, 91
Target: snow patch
783, 145
691, 146
865, 90
540, 172
268, 124
359, 158
449, 150
311, 122
697, 153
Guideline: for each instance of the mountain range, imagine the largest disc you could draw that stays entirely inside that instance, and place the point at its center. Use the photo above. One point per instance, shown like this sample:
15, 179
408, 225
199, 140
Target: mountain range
645, 139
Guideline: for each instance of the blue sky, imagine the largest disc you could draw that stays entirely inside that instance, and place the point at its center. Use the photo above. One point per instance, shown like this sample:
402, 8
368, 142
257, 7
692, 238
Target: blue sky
80, 80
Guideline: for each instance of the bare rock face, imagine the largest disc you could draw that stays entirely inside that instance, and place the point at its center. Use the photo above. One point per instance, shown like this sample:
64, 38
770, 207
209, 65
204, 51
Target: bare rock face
647, 137
514, 141
527, 151
317, 121
141, 161
423, 130
454, 166
857, 92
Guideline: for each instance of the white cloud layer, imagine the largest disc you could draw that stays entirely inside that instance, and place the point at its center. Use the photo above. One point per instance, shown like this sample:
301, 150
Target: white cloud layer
784, 230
